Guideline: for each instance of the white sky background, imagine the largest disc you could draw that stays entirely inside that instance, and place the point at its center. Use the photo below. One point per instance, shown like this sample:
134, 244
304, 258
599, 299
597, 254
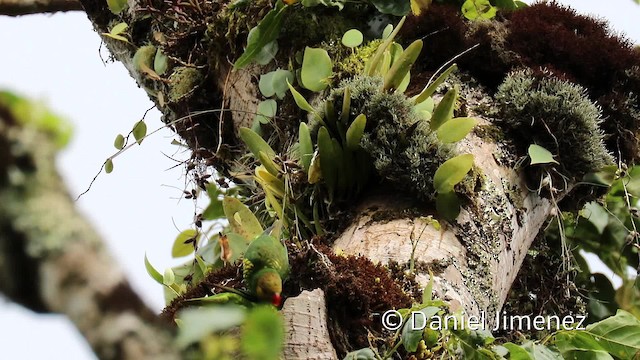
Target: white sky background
55, 58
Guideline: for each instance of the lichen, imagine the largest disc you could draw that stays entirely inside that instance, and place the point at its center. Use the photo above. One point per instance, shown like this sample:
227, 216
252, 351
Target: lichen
557, 115
483, 236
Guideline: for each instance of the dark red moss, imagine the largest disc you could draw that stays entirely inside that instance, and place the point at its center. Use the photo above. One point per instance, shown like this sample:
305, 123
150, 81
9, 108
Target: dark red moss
545, 36
230, 276
355, 289
556, 37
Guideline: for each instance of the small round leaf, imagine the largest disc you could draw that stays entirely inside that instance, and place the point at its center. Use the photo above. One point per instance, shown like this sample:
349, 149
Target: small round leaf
118, 143
139, 131
108, 166
183, 245
352, 38
316, 69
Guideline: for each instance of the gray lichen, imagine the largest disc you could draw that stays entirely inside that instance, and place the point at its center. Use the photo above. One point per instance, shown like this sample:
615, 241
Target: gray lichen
402, 147
557, 115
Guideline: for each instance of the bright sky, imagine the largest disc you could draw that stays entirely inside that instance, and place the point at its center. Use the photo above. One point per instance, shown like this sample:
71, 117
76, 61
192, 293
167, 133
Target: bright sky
56, 58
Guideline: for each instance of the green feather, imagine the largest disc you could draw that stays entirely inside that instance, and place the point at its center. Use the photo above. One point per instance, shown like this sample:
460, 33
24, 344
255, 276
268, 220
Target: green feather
264, 253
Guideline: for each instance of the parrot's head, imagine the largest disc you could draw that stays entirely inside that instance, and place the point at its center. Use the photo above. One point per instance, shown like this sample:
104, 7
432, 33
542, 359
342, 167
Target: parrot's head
269, 286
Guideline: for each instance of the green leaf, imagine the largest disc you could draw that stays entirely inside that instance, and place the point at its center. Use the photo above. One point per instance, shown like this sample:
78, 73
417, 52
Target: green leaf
279, 82
160, 63
452, 172
118, 28
241, 220
618, 335
197, 323
430, 89
346, 105
455, 129
448, 205
116, 37
355, 132
183, 245
315, 172
352, 38
143, 61
401, 66
531, 351
580, 345
108, 166
155, 275
362, 354
596, 214
540, 155
266, 84
411, 336
306, 147
169, 278
327, 164
506, 4
300, 100
424, 109
266, 111
605, 177
444, 111
118, 143
337, 3
267, 53
264, 33
387, 31
139, 131
268, 163
316, 69
262, 334
255, 143
116, 6
372, 64
393, 7
214, 210
478, 9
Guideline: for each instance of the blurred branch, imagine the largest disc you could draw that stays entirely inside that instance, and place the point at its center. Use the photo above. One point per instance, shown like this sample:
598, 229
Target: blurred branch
28, 7
51, 258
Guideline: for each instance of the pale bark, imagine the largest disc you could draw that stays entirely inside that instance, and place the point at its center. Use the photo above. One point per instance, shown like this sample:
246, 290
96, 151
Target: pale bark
29, 7
479, 254
307, 335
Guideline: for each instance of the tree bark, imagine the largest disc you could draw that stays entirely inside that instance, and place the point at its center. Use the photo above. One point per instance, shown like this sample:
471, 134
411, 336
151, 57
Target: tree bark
29, 7
52, 261
474, 259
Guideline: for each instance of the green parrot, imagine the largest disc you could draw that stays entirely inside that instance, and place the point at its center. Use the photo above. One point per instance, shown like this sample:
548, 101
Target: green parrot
265, 268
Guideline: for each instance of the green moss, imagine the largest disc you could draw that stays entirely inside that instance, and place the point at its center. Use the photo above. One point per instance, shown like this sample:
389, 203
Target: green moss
557, 115
402, 147
489, 133
353, 64
183, 81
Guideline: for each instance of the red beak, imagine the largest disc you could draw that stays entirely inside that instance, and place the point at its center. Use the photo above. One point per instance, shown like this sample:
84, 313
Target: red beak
276, 300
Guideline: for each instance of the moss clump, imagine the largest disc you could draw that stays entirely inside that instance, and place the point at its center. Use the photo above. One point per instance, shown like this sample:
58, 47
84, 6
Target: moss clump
557, 115
183, 81
353, 64
402, 147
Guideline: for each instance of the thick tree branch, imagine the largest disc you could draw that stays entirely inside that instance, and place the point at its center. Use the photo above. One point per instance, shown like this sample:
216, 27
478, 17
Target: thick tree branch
29, 7
51, 259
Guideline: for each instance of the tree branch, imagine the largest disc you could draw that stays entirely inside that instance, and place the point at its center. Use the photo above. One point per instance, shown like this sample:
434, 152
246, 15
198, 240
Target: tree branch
29, 7
51, 259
